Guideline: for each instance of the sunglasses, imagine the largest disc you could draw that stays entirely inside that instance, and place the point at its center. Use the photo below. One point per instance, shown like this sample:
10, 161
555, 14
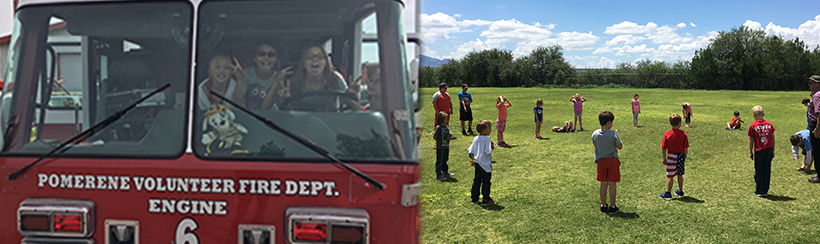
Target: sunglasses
271, 54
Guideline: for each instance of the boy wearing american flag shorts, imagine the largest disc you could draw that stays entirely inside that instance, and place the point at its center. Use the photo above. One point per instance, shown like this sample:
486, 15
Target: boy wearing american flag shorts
675, 146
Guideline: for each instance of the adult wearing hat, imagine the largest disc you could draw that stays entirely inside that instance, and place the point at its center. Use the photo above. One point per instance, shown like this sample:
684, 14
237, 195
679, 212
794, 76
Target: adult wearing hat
441, 102
812, 113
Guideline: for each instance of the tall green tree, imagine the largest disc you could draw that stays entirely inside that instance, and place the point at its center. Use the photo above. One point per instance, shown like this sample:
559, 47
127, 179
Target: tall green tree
485, 68
546, 62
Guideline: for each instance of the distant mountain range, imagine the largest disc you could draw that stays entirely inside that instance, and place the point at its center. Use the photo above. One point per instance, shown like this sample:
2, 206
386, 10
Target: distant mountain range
425, 61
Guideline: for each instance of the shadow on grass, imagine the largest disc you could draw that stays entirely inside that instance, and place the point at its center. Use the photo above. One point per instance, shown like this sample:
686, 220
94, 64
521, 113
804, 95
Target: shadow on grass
689, 199
543, 138
779, 198
509, 146
450, 179
625, 215
493, 207
811, 172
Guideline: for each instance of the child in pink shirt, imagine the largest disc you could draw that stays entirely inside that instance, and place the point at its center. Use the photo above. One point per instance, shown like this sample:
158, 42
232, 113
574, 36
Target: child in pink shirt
578, 106
636, 109
501, 123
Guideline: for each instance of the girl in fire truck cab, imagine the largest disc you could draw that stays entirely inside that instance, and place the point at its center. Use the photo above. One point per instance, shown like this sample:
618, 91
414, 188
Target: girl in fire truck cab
224, 75
314, 75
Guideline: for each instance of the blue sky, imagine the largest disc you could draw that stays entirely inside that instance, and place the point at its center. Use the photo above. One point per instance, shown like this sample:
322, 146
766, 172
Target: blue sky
596, 34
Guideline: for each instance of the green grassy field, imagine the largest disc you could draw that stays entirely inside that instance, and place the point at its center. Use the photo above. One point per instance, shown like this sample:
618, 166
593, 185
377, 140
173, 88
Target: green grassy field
546, 190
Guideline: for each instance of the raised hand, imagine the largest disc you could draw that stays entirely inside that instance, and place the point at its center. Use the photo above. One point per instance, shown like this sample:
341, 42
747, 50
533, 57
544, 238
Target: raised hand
285, 91
280, 76
237, 71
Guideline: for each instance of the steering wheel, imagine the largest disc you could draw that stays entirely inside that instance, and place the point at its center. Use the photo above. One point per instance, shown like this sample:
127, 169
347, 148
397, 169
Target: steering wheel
326, 105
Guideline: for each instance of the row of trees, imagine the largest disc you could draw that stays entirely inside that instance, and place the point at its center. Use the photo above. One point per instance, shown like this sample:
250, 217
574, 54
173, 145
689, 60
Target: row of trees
740, 59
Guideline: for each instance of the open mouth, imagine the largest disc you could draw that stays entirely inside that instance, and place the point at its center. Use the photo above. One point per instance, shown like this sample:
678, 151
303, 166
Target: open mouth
315, 68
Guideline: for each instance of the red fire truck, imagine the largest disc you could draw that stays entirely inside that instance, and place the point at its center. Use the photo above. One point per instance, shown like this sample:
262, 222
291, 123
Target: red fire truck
106, 138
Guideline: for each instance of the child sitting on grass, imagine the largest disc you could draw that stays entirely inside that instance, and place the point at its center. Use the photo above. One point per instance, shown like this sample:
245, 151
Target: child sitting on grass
735, 123
675, 146
481, 157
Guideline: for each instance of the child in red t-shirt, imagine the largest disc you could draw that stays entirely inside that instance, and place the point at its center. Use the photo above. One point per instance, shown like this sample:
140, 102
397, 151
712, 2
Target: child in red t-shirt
675, 146
735, 123
761, 150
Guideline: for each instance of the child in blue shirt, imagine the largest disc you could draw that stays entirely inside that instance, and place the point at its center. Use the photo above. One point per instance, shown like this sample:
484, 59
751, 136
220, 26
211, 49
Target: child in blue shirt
538, 111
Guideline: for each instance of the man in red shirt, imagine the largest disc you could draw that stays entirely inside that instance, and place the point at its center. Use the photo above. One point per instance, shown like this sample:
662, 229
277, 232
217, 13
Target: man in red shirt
675, 147
761, 150
441, 101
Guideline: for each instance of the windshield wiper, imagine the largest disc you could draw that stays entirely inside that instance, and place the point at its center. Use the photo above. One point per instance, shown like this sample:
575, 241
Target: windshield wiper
99, 126
303, 141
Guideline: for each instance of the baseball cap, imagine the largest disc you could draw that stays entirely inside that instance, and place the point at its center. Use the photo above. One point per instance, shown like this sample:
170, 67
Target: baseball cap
442, 85
464, 86
814, 78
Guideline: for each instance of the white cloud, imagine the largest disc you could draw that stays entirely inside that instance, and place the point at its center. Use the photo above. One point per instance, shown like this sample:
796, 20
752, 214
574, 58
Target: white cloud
642, 50
651, 31
576, 41
426, 51
438, 26
808, 32
601, 50
754, 25
627, 27
474, 22
692, 24
621, 40
514, 31
472, 46
591, 62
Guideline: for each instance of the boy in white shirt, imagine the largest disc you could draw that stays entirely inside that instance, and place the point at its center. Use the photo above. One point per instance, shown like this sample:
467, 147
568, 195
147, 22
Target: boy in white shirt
481, 158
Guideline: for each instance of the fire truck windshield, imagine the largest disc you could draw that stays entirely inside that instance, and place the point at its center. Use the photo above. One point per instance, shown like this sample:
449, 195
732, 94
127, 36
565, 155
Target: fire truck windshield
332, 72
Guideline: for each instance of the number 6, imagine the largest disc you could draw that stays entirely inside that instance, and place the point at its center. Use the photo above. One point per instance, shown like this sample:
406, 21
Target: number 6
182, 235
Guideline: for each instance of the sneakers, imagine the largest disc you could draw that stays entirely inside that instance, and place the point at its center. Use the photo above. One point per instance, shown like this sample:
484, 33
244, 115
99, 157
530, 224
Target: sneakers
614, 209
470, 132
488, 202
667, 195
537, 136
463, 132
814, 180
503, 144
448, 174
476, 202
679, 192
440, 178
761, 194
605, 208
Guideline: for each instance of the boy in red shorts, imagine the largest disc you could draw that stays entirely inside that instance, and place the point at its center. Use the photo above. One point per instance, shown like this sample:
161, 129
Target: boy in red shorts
607, 143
